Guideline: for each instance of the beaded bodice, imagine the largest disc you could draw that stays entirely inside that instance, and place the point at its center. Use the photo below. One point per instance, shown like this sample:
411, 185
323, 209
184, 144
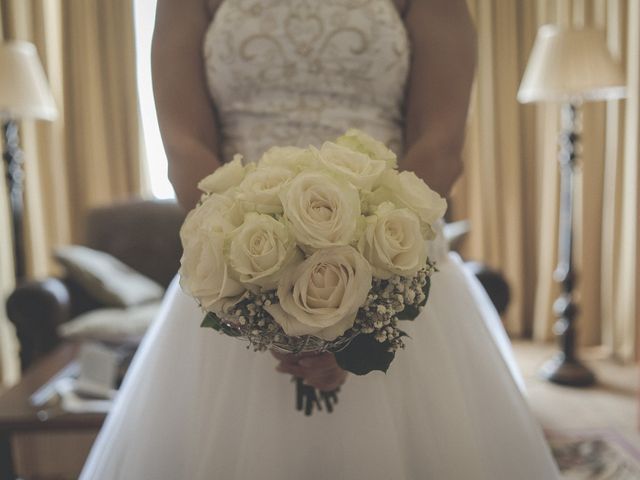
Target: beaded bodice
297, 72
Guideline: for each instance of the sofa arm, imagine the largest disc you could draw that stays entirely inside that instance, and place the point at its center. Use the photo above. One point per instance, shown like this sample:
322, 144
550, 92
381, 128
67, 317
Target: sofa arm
36, 309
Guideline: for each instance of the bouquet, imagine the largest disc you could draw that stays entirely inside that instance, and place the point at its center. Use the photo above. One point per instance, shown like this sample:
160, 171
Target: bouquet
313, 250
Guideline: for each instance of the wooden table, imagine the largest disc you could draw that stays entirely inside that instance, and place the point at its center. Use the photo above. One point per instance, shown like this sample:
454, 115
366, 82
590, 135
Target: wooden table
19, 417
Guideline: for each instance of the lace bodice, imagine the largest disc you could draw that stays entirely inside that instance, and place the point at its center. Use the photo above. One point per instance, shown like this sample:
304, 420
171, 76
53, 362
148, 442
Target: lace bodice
297, 72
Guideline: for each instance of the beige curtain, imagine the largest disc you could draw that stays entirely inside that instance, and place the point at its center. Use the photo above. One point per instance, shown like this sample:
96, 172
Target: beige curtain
8, 346
91, 155
9, 368
510, 187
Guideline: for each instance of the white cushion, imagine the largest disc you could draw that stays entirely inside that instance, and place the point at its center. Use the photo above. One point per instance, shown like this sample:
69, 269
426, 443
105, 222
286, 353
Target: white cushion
106, 278
117, 325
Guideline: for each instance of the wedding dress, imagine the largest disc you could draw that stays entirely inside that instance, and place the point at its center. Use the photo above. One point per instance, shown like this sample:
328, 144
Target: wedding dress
197, 405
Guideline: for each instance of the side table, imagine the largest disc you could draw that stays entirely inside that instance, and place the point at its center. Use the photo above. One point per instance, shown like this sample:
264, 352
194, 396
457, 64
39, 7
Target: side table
20, 420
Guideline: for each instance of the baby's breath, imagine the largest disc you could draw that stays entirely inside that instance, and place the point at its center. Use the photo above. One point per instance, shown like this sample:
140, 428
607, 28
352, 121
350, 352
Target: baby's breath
378, 316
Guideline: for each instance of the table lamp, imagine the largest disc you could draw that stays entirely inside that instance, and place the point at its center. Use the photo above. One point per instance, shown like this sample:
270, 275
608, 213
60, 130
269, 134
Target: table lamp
569, 66
24, 94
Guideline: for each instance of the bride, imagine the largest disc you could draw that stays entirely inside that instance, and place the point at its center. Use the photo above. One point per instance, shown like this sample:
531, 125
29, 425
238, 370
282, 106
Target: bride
240, 76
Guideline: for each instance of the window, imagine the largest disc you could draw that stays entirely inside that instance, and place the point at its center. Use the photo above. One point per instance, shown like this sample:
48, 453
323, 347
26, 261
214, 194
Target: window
144, 13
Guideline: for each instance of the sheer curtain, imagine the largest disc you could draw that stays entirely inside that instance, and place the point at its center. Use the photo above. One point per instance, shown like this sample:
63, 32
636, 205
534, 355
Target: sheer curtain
9, 368
8, 346
510, 188
156, 159
9, 364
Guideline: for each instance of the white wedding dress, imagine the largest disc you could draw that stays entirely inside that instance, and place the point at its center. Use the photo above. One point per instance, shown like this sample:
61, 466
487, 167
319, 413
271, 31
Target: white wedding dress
197, 405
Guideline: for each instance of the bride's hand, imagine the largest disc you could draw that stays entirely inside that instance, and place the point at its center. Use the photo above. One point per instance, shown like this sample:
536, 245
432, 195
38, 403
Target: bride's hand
318, 370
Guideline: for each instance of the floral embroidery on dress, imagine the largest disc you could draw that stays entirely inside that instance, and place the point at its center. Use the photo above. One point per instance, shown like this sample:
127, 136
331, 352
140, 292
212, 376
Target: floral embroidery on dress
300, 71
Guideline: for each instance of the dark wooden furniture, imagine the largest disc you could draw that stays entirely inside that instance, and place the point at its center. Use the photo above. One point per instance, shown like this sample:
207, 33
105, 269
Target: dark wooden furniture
19, 418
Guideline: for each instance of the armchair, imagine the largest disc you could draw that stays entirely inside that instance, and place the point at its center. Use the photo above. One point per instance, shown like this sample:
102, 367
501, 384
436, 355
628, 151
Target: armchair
138, 233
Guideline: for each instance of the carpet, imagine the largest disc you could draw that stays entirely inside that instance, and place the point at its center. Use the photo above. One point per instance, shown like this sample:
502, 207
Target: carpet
600, 454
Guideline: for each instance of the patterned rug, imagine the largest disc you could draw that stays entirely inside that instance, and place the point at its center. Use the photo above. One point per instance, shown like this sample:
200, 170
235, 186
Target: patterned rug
601, 454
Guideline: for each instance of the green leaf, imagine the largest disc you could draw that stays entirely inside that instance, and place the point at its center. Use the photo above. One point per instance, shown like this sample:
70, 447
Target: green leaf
410, 312
365, 354
211, 320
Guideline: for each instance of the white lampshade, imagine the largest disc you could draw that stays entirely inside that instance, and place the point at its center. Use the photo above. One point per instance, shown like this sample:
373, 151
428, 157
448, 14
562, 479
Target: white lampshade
24, 91
569, 65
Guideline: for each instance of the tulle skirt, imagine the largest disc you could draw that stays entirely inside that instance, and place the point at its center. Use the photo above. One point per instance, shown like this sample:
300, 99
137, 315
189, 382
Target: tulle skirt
198, 405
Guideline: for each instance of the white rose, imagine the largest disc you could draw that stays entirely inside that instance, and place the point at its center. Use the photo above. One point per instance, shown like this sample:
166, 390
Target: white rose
361, 142
225, 211
293, 158
323, 212
225, 177
204, 273
260, 248
406, 190
322, 295
356, 167
261, 189
392, 242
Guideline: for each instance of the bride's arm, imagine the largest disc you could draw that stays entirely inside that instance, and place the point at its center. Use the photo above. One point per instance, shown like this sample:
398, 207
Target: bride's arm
443, 43
188, 126
443, 63
185, 111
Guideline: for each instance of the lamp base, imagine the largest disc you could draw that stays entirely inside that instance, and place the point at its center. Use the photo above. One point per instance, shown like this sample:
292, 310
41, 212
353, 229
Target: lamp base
571, 373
